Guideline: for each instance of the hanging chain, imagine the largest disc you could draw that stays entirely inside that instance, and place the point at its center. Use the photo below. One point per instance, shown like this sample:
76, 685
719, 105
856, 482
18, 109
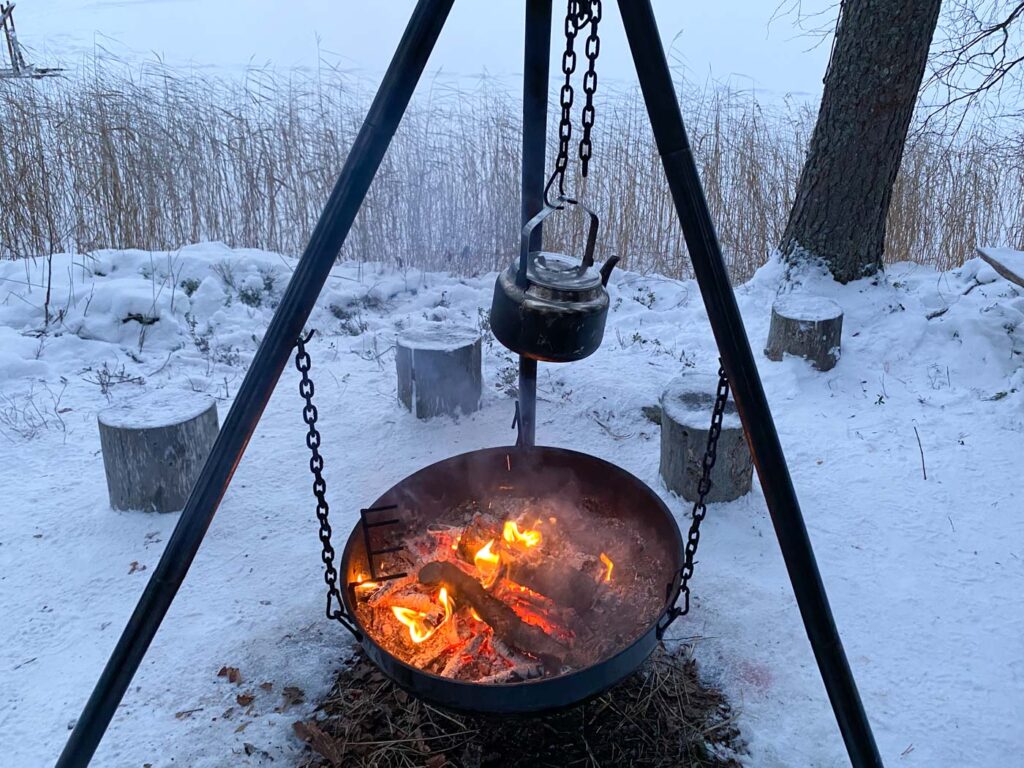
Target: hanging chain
578, 13
316, 465
591, 50
565, 98
700, 507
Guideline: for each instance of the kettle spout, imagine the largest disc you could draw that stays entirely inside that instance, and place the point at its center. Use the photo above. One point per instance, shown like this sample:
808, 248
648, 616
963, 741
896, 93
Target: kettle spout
606, 269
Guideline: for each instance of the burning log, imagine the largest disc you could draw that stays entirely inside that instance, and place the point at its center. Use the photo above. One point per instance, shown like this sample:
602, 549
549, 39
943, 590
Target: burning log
482, 529
562, 583
554, 579
502, 619
465, 653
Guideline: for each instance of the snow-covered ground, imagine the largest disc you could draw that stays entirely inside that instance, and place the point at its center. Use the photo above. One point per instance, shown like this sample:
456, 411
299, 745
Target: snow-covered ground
925, 575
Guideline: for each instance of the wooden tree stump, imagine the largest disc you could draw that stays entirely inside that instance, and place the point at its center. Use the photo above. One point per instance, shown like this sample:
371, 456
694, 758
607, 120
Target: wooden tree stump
439, 370
686, 407
806, 326
154, 448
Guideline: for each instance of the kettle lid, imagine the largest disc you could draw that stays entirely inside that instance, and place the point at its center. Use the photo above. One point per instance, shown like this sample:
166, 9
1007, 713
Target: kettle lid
559, 272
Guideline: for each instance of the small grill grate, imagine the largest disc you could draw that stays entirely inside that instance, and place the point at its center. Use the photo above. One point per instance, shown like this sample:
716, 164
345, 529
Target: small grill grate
371, 553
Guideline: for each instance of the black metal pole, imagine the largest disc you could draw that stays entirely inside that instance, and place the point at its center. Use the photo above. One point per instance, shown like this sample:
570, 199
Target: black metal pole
527, 401
536, 63
731, 337
303, 289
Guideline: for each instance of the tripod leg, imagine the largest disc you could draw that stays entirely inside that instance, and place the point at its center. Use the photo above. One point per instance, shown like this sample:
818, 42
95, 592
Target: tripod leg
723, 313
308, 279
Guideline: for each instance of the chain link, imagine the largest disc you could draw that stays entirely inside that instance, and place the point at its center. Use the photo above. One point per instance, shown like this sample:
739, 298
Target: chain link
578, 13
700, 507
565, 98
591, 51
316, 465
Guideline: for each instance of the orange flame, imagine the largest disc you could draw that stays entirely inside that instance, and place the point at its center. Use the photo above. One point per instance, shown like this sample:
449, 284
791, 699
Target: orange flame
474, 614
362, 584
607, 564
527, 537
487, 562
416, 621
420, 628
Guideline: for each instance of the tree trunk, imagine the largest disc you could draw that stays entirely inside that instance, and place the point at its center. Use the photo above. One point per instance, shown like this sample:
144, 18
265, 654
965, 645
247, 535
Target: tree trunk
842, 198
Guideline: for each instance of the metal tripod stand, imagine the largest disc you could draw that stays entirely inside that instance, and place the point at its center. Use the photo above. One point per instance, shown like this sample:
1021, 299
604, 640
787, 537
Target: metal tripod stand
363, 160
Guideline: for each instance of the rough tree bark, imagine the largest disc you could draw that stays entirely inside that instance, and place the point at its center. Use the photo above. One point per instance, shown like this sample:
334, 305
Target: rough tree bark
871, 85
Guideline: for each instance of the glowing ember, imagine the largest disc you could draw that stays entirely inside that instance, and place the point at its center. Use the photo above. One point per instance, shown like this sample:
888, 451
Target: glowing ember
420, 627
487, 561
509, 588
512, 534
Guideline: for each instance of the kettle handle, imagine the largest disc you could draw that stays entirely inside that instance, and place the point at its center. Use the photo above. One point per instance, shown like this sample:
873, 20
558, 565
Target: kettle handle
547, 210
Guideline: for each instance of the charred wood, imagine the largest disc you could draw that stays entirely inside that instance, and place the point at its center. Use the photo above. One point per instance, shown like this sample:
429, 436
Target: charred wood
502, 619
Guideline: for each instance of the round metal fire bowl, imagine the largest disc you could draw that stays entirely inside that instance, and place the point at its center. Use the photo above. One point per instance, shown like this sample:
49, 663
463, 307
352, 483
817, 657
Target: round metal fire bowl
436, 488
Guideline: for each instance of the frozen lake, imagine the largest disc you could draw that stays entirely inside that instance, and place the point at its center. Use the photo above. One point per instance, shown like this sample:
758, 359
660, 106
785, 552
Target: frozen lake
736, 42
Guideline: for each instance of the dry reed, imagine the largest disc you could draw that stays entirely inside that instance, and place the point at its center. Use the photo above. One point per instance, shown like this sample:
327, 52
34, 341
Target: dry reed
157, 158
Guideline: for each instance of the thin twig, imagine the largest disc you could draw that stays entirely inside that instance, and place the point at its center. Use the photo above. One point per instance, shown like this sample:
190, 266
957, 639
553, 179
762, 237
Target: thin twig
924, 472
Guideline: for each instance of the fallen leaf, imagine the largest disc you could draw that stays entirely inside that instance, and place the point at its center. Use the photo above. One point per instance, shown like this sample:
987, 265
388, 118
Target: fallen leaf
232, 674
134, 566
228, 713
267, 686
291, 695
243, 726
244, 699
437, 761
319, 741
187, 713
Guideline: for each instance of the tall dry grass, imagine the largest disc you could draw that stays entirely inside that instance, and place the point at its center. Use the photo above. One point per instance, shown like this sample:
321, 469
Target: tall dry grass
157, 158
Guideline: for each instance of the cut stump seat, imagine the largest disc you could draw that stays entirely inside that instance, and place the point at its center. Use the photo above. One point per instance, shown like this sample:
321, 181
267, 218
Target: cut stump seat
439, 370
1006, 261
686, 406
154, 447
810, 327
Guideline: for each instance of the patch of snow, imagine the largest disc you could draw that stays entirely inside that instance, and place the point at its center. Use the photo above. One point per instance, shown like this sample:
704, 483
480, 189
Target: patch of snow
812, 309
688, 399
1008, 260
157, 408
439, 337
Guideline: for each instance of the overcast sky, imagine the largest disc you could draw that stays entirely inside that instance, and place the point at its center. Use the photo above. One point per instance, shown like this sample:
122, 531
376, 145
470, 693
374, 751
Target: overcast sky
732, 41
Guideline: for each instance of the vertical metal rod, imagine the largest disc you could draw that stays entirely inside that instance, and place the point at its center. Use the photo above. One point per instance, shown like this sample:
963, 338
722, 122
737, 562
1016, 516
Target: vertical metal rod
738, 359
536, 66
364, 158
527, 401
